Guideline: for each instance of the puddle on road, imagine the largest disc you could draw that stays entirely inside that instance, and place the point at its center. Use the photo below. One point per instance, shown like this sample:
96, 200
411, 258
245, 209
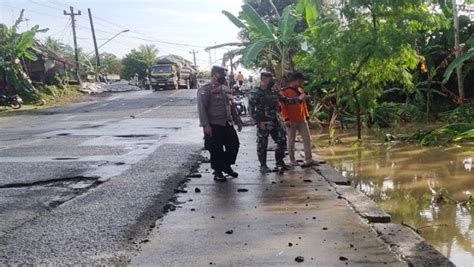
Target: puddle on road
399, 177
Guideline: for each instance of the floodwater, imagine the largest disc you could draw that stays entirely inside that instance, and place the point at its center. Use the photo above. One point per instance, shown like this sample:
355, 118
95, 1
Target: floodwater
402, 178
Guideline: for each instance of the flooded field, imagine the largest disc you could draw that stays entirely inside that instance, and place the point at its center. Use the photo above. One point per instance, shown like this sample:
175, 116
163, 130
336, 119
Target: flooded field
404, 178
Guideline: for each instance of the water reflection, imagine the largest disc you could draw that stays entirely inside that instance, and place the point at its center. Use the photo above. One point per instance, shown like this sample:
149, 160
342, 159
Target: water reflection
402, 179
468, 164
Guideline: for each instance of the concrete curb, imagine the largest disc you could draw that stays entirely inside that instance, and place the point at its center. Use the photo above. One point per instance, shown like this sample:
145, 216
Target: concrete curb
410, 246
363, 205
332, 175
326, 170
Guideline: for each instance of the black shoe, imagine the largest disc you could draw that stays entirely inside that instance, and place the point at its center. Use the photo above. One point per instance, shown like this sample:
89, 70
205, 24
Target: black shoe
219, 177
231, 172
282, 166
265, 169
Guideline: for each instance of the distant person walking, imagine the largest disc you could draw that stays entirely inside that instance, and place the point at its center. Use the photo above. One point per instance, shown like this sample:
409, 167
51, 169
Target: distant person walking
240, 78
217, 116
263, 101
134, 80
296, 120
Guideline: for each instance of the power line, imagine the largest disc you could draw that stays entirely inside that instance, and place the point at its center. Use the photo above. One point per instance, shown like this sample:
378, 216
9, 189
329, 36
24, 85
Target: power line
31, 11
145, 39
60, 33
123, 27
44, 5
163, 42
90, 38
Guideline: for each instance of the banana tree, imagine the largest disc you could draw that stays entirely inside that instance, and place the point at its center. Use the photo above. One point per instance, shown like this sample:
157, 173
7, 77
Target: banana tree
272, 46
13, 47
462, 61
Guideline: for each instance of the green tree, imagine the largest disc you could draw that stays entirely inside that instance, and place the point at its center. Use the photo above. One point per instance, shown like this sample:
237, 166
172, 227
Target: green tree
373, 45
110, 63
13, 47
138, 61
59, 47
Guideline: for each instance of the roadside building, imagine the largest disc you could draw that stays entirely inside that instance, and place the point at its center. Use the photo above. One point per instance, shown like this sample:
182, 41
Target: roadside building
48, 65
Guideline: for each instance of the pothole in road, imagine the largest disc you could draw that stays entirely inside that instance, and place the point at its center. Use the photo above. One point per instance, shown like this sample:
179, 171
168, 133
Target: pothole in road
60, 189
88, 126
134, 135
167, 128
66, 158
57, 182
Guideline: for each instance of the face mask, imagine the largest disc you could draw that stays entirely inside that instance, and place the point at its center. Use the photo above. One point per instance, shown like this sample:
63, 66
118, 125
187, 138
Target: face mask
271, 84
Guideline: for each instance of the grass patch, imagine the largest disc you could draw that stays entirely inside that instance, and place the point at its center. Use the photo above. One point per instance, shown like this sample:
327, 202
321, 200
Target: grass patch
48, 96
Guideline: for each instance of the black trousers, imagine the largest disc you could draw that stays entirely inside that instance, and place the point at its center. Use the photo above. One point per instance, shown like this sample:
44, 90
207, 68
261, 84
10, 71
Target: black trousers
223, 146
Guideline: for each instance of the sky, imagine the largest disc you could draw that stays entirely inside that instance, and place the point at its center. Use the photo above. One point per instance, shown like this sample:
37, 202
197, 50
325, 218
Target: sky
174, 26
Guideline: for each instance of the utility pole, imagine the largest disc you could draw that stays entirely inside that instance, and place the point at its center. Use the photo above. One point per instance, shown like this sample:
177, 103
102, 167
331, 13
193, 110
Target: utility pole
73, 23
194, 52
93, 38
457, 48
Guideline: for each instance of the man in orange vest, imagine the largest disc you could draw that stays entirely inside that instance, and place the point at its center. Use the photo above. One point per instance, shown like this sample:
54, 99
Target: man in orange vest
296, 119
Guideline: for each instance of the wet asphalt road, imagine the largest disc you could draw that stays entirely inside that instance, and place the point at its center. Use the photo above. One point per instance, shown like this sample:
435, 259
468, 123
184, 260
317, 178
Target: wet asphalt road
85, 184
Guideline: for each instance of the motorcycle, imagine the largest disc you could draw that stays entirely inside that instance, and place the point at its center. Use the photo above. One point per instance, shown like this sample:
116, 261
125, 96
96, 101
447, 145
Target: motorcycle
240, 105
15, 101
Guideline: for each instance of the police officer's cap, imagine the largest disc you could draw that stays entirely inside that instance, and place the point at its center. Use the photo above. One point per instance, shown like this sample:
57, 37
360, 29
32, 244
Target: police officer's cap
219, 69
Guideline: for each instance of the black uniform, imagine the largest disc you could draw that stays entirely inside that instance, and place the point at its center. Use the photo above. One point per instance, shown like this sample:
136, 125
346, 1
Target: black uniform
217, 110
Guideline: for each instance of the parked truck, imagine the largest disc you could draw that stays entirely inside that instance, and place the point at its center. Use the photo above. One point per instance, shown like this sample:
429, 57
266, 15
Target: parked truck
172, 72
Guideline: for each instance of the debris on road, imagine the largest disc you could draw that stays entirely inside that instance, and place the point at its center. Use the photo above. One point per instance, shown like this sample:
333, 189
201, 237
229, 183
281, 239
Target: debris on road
182, 191
195, 175
299, 259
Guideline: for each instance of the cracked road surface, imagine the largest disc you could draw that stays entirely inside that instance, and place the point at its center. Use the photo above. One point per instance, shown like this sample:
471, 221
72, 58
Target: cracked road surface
84, 184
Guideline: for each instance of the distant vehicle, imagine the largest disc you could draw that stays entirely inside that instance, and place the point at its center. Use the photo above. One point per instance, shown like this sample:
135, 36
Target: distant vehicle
172, 72
15, 101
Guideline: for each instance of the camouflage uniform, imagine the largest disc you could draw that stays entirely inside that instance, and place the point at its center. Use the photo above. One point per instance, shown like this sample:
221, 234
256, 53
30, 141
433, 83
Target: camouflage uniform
263, 106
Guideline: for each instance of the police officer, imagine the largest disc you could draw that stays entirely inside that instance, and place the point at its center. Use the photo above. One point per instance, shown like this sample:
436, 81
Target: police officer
265, 111
217, 115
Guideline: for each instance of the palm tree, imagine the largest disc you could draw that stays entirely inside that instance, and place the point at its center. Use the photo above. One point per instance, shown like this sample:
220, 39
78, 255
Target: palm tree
53, 44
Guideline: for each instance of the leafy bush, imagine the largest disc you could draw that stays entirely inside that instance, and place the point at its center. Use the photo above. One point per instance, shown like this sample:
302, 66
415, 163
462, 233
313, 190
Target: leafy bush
462, 114
449, 133
385, 114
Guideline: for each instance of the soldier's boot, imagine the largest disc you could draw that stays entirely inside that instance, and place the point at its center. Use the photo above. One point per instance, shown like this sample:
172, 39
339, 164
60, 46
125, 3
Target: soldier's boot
265, 169
282, 166
279, 155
